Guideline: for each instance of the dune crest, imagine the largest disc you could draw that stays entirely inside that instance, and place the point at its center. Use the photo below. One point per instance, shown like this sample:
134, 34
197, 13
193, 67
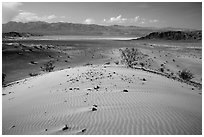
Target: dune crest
91, 100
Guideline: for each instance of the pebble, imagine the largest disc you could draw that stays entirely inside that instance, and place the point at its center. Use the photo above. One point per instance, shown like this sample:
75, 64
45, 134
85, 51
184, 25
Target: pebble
125, 90
94, 109
65, 128
83, 130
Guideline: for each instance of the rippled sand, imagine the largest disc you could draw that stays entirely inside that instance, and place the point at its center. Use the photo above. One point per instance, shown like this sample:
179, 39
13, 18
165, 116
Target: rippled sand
101, 100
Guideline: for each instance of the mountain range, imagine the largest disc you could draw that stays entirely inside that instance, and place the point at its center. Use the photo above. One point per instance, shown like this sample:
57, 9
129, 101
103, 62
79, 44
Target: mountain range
61, 28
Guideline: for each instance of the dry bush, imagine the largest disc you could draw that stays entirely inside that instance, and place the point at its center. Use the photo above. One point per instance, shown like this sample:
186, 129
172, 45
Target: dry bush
185, 75
161, 69
130, 56
48, 67
33, 74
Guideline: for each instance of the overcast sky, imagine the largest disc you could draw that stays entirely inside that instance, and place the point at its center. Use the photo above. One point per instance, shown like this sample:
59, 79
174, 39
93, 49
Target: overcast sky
183, 15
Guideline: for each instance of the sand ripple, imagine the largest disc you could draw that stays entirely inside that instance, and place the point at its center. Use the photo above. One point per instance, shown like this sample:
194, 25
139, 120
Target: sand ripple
156, 106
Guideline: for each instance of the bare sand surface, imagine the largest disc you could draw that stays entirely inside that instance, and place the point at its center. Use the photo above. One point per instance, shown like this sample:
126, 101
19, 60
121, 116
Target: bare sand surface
101, 99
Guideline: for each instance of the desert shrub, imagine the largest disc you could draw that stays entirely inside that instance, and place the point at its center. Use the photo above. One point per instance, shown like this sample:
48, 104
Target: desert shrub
3, 78
142, 64
48, 67
161, 69
130, 56
33, 74
185, 75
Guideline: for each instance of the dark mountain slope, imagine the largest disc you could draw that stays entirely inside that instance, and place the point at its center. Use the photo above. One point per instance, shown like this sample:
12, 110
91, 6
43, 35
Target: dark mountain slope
174, 35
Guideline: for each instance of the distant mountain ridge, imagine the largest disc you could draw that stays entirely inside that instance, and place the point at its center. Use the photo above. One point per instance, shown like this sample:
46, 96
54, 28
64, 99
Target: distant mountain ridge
17, 34
174, 35
60, 28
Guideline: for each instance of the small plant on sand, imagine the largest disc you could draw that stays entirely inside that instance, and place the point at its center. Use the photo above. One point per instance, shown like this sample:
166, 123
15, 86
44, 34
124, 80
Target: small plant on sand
142, 64
161, 69
185, 75
33, 74
130, 56
48, 67
3, 78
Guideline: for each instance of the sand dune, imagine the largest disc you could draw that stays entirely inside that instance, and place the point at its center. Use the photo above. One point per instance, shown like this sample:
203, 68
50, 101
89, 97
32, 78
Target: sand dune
101, 100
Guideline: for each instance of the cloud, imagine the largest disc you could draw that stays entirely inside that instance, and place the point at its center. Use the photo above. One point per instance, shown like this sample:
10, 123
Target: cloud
142, 22
29, 16
120, 19
10, 10
135, 20
89, 21
117, 19
153, 21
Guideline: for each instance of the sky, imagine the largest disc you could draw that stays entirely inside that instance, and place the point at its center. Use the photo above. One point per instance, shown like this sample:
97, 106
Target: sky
147, 14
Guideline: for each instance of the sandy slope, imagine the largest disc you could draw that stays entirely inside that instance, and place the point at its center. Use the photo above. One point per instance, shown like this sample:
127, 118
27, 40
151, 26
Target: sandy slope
90, 100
